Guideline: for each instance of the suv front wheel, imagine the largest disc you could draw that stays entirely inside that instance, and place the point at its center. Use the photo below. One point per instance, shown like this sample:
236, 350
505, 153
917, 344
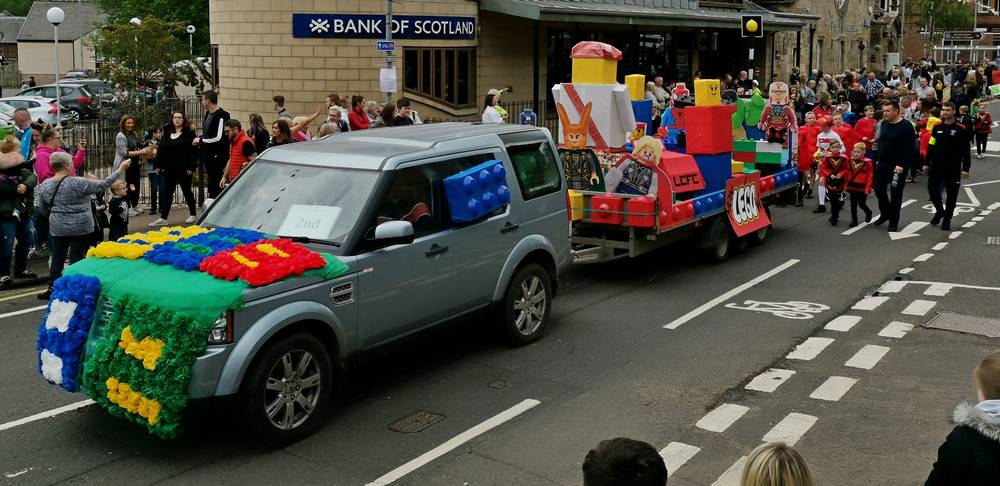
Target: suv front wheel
287, 389
526, 304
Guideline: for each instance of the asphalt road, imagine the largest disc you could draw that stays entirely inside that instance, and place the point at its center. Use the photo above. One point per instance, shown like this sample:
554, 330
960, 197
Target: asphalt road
608, 367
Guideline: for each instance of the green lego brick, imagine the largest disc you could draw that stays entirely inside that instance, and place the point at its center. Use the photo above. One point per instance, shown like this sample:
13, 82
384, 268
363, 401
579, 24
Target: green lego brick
744, 145
768, 158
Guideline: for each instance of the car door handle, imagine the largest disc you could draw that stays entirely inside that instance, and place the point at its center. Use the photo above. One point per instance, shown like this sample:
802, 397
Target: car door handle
507, 228
436, 250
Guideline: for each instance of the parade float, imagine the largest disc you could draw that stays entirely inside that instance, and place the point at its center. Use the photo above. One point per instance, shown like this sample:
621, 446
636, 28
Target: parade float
709, 172
125, 325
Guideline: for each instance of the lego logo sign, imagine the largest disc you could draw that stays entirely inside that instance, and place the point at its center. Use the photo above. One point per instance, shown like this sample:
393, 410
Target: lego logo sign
743, 204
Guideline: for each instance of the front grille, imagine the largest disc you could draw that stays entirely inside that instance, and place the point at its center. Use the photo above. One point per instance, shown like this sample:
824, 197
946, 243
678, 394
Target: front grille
342, 294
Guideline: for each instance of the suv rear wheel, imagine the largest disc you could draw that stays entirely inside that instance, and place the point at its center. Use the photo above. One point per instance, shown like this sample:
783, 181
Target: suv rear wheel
526, 306
287, 389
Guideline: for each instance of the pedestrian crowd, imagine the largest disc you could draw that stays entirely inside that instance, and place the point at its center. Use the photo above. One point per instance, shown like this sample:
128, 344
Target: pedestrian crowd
968, 455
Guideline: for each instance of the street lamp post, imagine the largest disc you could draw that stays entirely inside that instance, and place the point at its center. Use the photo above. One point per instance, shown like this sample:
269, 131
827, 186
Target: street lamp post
136, 21
861, 54
56, 16
190, 31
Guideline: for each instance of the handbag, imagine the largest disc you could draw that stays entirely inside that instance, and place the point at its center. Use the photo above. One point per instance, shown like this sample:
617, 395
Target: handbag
52, 201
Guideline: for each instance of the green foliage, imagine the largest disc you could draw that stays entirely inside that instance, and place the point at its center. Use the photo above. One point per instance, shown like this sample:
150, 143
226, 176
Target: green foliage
937, 16
186, 12
138, 54
18, 8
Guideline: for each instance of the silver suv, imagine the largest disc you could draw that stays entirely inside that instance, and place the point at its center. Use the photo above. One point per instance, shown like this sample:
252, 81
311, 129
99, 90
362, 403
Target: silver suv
376, 199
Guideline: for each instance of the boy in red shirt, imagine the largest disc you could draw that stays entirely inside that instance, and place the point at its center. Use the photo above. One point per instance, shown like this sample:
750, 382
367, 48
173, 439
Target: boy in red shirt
984, 127
861, 174
807, 147
864, 130
833, 176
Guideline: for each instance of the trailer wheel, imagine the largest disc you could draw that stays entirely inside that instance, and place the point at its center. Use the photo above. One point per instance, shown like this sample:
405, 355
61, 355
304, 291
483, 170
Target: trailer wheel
760, 236
721, 241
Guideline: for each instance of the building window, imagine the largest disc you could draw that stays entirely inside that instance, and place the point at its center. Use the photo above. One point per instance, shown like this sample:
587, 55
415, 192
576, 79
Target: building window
445, 74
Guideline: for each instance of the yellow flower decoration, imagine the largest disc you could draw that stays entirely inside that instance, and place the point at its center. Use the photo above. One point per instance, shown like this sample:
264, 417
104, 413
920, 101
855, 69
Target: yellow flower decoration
121, 394
244, 260
129, 247
271, 250
148, 350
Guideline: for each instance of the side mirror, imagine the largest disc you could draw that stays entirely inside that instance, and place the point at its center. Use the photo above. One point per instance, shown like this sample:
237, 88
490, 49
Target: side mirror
208, 202
394, 233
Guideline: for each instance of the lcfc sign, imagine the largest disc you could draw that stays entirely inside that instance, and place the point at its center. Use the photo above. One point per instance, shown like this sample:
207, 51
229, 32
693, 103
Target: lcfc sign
339, 26
743, 204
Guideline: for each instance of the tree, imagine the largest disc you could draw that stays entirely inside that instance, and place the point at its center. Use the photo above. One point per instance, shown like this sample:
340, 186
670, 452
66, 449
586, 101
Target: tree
17, 8
138, 54
185, 12
937, 16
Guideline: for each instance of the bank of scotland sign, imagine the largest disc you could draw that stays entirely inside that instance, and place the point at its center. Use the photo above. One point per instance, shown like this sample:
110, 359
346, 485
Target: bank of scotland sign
338, 26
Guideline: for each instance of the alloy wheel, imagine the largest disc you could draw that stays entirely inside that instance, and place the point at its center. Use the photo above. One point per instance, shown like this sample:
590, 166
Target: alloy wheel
292, 389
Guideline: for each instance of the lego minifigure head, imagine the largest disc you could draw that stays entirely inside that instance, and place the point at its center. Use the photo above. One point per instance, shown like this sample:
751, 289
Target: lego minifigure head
574, 134
778, 93
647, 151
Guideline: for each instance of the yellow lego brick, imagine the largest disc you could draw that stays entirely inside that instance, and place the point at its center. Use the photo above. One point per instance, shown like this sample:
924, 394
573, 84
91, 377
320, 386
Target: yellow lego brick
737, 167
636, 86
595, 71
706, 92
576, 205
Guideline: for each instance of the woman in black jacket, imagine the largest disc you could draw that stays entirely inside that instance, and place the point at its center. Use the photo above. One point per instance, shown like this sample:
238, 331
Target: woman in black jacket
176, 162
971, 454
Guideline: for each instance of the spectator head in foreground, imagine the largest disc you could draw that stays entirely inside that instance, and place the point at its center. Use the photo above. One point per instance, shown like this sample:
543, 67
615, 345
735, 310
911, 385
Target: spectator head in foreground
988, 378
624, 462
775, 464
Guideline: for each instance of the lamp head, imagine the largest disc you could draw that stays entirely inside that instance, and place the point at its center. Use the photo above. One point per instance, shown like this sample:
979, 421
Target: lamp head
55, 16
190, 29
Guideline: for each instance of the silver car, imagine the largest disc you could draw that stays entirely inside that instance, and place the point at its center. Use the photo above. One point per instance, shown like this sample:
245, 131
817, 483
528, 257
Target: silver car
40, 109
375, 198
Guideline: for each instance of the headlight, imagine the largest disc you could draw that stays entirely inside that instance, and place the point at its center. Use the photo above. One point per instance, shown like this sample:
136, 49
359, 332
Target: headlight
222, 330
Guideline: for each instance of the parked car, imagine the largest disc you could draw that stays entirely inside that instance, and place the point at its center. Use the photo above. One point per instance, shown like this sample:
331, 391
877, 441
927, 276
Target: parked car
406, 273
81, 74
103, 90
40, 109
74, 96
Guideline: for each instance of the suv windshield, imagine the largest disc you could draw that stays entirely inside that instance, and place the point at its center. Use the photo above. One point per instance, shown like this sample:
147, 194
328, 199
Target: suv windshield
318, 203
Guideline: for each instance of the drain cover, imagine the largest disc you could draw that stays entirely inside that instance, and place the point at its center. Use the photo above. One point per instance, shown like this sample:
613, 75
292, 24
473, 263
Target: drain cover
499, 384
967, 324
415, 422
993, 240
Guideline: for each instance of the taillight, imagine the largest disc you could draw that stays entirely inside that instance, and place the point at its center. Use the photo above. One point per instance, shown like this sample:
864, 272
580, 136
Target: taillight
53, 109
85, 100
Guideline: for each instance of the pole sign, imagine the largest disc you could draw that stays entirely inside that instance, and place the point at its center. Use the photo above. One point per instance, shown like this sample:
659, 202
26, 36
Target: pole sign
963, 36
743, 204
341, 26
385, 46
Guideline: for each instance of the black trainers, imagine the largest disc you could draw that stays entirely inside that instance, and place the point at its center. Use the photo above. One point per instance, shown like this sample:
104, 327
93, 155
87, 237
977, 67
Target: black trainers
45, 295
880, 221
819, 209
853, 224
868, 216
936, 219
25, 274
946, 225
893, 229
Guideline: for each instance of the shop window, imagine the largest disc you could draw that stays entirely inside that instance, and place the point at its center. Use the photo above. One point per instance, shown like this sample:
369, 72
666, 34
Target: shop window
443, 74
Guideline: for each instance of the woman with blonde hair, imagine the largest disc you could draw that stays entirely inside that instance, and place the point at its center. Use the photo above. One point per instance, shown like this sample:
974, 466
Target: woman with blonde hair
776, 464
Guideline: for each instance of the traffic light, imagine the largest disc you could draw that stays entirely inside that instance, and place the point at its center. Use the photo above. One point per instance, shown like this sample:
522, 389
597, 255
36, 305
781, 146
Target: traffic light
752, 26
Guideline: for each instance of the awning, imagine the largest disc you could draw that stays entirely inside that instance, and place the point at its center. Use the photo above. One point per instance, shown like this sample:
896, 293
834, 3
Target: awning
615, 13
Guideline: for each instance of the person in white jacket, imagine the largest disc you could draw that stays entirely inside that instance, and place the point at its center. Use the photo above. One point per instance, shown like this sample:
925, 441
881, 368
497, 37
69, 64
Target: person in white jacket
490, 113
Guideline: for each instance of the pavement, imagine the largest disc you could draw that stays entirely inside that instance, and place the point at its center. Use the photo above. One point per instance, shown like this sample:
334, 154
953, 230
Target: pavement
819, 337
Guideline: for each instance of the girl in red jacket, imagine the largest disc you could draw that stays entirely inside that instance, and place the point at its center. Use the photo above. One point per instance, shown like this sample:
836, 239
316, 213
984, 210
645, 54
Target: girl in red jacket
833, 176
984, 127
807, 147
845, 131
864, 130
860, 174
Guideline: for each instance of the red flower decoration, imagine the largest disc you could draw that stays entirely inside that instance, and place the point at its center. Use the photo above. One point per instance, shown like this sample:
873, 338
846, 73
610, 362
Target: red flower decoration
262, 262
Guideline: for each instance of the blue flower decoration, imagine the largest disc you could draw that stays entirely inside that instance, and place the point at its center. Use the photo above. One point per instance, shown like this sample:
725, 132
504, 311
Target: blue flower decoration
63, 332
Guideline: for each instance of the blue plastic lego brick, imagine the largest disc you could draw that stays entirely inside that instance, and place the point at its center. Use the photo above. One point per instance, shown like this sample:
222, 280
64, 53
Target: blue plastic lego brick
643, 111
715, 169
477, 191
786, 178
709, 203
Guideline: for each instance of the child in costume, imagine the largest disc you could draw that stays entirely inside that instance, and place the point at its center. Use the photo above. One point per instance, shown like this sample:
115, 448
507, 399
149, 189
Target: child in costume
926, 127
118, 210
864, 130
833, 176
778, 119
861, 174
845, 131
807, 147
824, 141
636, 174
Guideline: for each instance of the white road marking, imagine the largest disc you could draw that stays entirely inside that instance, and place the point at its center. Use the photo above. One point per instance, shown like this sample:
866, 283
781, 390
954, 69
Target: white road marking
857, 228
455, 442
954, 234
909, 231
732, 475
870, 302
833, 389
985, 212
722, 417
23, 311
891, 287
980, 184
769, 380
867, 357
972, 197
906, 270
955, 285
810, 348
896, 329
790, 429
919, 307
977, 218
924, 257
940, 246
938, 290
729, 295
969, 224
995, 205
842, 323
676, 454
46, 414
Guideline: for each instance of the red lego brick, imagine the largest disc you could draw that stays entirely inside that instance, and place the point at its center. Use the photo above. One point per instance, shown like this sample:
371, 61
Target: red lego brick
709, 129
607, 209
